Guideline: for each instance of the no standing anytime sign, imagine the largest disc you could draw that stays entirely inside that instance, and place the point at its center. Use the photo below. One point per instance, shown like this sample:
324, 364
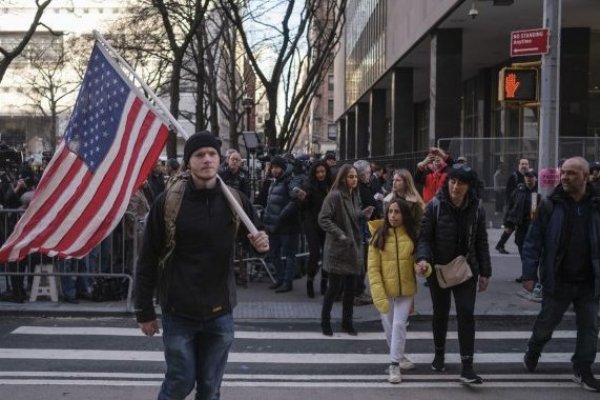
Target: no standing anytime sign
529, 42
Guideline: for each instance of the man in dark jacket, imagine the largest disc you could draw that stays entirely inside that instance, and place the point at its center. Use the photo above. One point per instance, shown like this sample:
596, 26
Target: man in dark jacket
156, 181
563, 243
519, 209
517, 177
194, 275
367, 199
281, 219
595, 175
234, 175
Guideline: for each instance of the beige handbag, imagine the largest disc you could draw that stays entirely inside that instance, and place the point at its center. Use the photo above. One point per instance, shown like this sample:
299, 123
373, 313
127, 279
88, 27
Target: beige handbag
454, 273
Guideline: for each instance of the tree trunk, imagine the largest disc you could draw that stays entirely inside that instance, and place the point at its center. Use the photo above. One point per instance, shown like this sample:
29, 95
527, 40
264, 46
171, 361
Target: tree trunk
270, 127
174, 107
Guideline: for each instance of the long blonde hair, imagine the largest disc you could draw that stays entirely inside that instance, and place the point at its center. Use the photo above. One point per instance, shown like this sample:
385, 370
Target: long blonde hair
411, 193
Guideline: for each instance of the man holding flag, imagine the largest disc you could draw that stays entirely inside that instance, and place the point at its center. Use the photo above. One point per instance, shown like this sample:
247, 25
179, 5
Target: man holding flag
113, 138
193, 271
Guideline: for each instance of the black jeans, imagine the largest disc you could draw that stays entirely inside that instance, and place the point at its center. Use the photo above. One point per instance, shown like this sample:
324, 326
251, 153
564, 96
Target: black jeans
464, 301
335, 285
315, 238
586, 315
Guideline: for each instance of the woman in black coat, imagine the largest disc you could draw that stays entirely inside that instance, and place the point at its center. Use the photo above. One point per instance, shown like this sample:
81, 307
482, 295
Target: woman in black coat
316, 188
453, 225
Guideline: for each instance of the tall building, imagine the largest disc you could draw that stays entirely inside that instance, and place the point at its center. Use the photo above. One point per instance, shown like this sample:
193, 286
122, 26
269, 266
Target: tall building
411, 74
25, 117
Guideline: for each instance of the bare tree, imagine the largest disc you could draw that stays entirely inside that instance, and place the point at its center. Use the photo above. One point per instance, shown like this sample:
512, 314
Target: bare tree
49, 82
303, 47
180, 20
141, 42
200, 74
9, 55
233, 73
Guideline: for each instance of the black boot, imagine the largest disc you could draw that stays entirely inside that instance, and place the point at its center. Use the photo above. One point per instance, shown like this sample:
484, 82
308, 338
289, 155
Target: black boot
468, 374
310, 290
326, 328
323, 286
438, 364
502, 242
348, 327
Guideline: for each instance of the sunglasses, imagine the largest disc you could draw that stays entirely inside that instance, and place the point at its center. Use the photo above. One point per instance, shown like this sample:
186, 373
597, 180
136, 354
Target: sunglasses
464, 167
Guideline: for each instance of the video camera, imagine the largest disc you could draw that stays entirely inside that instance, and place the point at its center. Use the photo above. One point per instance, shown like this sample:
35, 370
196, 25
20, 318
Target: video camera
265, 154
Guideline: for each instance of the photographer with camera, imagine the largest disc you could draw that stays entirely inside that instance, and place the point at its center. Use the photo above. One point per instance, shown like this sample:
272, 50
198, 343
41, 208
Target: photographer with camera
431, 172
16, 195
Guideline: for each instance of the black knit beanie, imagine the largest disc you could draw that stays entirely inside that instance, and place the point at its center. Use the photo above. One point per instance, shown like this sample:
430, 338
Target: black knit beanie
198, 140
280, 162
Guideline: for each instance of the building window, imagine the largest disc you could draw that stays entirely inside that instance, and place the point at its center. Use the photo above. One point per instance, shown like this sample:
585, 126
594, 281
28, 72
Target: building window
330, 108
332, 132
330, 82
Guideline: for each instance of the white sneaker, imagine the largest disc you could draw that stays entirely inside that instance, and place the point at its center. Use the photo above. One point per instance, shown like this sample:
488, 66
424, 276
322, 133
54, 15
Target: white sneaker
395, 376
406, 364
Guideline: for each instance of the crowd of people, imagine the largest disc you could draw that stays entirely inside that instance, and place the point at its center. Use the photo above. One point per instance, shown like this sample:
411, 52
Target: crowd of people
368, 229
363, 220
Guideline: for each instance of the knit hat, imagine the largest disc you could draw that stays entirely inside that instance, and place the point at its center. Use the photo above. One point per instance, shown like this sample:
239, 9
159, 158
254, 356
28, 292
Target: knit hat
462, 173
280, 162
198, 140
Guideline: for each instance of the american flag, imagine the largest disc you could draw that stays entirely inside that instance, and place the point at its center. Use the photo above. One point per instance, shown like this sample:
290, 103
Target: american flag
112, 141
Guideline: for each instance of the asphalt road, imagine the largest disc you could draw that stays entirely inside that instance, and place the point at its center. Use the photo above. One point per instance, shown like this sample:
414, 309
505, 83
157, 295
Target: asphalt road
107, 358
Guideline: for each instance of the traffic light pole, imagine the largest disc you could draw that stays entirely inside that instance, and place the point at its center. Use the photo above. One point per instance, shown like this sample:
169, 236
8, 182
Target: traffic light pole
550, 101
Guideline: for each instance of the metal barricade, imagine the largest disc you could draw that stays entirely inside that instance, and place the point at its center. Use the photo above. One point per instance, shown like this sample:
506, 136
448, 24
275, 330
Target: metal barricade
115, 258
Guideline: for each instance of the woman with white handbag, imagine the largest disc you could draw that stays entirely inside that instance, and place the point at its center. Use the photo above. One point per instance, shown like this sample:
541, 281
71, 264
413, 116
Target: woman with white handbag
453, 240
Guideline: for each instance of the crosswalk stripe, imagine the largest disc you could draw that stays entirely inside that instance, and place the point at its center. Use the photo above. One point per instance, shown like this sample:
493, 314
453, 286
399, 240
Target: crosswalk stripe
270, 384
281, 377
269, 358
293, 335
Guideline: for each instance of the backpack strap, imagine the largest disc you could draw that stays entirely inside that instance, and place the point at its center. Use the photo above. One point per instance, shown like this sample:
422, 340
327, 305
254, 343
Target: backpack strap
174, 191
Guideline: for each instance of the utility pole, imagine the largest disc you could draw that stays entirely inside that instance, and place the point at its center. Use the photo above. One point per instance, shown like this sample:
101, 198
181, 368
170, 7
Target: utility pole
549, 176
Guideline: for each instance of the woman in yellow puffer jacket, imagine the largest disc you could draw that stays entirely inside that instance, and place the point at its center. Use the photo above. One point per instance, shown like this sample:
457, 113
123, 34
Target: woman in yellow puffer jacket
392, 275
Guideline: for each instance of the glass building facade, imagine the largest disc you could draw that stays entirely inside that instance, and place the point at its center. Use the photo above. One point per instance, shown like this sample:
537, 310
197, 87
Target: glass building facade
365, 45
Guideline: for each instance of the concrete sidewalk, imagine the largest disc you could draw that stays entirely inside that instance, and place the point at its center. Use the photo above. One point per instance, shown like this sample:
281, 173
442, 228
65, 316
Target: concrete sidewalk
257, 302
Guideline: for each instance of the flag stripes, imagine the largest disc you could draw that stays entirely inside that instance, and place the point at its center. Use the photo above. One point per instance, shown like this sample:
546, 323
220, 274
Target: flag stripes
86, 187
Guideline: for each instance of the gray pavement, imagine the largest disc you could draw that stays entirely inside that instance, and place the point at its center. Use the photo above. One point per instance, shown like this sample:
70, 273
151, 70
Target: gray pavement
258, 303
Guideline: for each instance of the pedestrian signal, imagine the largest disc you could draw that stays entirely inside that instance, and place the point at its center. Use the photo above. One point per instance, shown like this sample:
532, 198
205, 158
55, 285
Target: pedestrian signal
518, 85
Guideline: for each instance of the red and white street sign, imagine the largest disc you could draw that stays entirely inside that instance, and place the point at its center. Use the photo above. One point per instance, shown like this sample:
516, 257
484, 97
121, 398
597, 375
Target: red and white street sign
529, 42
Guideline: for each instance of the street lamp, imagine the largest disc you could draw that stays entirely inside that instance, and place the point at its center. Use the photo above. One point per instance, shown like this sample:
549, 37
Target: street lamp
248, 103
